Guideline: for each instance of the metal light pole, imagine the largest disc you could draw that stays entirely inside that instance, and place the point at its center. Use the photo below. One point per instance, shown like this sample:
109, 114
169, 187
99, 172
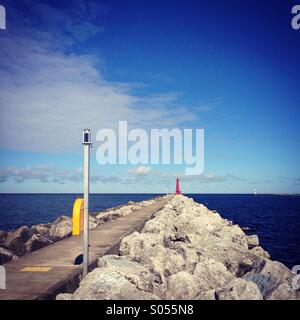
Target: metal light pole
86, 145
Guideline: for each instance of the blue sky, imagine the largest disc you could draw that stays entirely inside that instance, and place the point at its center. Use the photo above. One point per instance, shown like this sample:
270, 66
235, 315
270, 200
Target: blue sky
230, 67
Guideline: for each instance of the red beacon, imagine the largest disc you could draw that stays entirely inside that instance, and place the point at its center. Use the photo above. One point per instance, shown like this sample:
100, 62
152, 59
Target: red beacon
178, 191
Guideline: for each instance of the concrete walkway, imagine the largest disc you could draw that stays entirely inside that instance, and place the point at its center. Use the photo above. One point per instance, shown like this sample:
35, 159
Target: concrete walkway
51, 270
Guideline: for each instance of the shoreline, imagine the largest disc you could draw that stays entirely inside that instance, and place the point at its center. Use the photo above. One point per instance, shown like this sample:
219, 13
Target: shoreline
185, 251
55, 268
27, 239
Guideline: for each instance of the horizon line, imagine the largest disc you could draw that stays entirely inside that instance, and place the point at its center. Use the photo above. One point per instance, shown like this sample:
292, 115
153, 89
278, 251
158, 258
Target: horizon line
150, 193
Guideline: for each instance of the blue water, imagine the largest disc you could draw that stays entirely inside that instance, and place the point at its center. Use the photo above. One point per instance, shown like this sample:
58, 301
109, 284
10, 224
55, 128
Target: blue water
274, 218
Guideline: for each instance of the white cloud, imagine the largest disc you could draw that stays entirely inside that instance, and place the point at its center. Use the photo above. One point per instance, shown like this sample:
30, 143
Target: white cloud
142, 170
49, 94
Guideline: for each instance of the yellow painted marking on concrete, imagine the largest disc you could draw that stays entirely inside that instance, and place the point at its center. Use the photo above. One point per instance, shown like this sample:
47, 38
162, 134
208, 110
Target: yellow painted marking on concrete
36, 269
77, 217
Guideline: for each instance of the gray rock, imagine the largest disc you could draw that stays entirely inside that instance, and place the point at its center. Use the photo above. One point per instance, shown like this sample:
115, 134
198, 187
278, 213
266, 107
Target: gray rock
121, 211
272, 278
103, 284
109, 215
3, 236
252, 241
206, 295
239, 289
259, 251
246, 228
181, 286
136, 273
285, 292
16, 240
61, 228
93, 222
116, 279
5, 255
211, 274
268, 267
36, 242
126, 210
43, 229
266, 283
64, 296
102, 216
148, 248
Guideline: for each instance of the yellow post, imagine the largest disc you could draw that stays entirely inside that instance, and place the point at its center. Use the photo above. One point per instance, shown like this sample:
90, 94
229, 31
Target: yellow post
78, 217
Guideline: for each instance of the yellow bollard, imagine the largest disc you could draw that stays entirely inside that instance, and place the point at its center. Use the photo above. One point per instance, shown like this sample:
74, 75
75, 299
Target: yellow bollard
78, 217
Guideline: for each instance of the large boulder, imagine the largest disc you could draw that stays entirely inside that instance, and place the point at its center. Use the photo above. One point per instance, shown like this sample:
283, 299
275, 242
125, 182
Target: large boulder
235, 257
43, 229
36, 242
181, 286
148, 248
273, 279
16, 240
239, 289
206, 295
211, 274
252, 241
116, 279
284, 292
102, 216
61, 228
259, 251
138, 243
5, 255
162, 224
3, 236
104, 284
108, 215
136, 273
93, 222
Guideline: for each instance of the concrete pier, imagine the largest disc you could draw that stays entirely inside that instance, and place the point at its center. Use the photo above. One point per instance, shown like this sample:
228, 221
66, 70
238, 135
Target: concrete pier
51, 270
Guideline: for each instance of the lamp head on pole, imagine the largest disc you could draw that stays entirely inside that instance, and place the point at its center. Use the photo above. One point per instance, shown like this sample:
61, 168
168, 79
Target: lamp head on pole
87, 137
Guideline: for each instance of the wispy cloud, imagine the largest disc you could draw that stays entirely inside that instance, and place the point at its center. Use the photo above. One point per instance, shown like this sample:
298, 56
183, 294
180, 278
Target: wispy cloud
208, 178
206, 106
151, 176
142, 175
142, 170
289, 180
50, 174
49, 92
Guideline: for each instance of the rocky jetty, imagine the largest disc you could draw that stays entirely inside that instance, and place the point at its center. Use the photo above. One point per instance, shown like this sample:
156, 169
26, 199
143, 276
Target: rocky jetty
25, 240
188, 252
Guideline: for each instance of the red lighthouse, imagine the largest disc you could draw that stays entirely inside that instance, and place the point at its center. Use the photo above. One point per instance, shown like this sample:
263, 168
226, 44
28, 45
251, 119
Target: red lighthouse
178, 191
